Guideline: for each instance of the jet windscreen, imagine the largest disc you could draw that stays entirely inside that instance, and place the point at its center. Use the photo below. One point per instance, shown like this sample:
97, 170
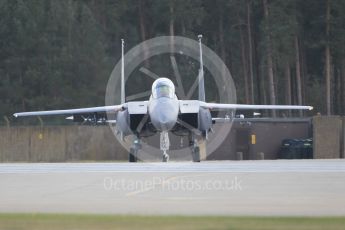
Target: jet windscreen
163, 88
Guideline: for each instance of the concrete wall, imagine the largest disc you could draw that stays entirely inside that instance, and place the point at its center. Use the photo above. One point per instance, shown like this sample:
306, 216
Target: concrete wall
328, 136
269, 137
269, 134
59, 143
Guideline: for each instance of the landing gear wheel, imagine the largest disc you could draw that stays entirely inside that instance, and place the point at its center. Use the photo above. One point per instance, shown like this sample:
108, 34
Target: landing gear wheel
196, 154
165, 157
133, 155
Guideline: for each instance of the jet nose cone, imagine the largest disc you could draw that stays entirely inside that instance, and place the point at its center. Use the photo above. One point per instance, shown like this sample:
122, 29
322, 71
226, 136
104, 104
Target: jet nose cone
163, 114
163, 118
165, 121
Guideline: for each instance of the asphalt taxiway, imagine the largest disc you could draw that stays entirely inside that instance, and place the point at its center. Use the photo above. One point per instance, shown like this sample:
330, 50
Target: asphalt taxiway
259, 188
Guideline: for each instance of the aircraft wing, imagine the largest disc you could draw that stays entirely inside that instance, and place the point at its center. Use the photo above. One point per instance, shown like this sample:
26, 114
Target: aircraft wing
111, 108
216, 106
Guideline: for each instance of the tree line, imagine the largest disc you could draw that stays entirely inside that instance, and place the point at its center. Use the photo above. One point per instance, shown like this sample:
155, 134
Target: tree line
59, 54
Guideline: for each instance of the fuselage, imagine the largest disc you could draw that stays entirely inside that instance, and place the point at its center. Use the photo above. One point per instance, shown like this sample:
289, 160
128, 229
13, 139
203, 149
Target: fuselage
163, 105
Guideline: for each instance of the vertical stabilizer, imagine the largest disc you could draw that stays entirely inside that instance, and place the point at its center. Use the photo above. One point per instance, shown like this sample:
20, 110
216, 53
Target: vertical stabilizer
201, 73
123, 95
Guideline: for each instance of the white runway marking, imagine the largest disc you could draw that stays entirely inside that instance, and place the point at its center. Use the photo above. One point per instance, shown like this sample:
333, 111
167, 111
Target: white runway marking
277, 187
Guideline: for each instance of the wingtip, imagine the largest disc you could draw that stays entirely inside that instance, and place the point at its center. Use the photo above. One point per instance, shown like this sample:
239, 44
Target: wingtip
311, 108
15, 115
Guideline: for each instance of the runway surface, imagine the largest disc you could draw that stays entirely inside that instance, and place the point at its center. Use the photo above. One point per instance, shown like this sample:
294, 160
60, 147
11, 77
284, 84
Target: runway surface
259, 188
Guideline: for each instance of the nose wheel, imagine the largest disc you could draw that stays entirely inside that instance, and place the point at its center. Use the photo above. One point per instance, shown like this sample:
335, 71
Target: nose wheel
164, 145
165, 157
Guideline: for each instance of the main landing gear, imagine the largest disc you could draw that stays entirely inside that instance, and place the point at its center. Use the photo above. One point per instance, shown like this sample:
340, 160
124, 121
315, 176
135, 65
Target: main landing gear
193, 144
133, 151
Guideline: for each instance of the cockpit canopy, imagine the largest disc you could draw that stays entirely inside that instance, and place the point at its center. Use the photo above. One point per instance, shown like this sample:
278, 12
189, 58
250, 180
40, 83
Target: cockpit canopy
163, 87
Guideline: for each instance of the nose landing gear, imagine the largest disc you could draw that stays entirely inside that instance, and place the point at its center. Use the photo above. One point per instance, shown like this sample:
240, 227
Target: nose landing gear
164, 145
165, 157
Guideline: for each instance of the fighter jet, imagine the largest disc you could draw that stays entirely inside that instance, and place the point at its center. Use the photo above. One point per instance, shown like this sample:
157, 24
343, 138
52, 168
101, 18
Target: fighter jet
162, 113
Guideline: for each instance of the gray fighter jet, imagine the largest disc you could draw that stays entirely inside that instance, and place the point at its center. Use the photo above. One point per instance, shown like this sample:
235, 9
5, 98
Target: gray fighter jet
162, 113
